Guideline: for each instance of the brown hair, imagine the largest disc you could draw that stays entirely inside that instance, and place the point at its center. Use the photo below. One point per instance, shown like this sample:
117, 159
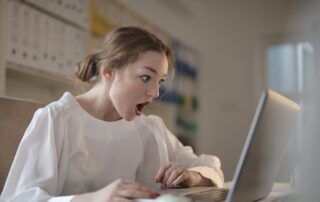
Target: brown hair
121, 47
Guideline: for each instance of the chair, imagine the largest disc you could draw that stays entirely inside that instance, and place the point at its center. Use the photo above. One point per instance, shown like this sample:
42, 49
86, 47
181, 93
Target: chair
15, 116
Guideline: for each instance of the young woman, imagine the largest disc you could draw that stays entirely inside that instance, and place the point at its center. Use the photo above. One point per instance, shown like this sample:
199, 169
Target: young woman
98, 146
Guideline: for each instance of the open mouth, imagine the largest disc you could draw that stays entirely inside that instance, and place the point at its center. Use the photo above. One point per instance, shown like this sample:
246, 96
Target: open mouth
140, 107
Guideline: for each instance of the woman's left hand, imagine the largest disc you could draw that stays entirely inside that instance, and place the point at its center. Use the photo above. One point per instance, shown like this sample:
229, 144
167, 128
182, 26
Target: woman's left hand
176, 175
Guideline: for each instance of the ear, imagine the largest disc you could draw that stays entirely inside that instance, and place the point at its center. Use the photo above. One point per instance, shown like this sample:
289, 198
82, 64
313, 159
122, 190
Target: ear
107, 72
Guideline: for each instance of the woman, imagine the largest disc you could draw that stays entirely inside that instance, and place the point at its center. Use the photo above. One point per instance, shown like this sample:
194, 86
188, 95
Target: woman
98, 146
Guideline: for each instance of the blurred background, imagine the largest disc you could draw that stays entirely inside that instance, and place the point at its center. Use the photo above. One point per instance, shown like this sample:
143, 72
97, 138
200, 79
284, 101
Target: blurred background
227, 52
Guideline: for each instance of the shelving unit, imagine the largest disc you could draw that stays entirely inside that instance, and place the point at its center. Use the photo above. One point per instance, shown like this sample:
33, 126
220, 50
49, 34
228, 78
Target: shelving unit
32, 68
3, 47
34, 84
41, 42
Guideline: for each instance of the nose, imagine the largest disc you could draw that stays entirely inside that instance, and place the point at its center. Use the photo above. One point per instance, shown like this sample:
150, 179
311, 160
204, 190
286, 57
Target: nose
153, 92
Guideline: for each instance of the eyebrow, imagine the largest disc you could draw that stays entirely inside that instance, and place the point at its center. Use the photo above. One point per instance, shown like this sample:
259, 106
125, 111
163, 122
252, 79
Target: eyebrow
152, 70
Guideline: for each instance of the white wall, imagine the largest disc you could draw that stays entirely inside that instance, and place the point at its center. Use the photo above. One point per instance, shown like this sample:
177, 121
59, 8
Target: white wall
225, 34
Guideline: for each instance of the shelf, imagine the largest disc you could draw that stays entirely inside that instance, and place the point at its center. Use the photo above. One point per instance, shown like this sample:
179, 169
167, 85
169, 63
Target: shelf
39, 75
30, 83
54, 15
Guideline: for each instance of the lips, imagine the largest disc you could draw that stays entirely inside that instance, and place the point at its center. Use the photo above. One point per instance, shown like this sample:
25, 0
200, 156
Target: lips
140, 107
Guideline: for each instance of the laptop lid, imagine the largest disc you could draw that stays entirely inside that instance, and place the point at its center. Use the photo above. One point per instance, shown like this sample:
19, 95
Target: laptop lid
273, 123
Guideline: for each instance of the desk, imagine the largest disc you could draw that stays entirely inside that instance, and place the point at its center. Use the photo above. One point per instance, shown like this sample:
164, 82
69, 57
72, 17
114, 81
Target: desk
280, 192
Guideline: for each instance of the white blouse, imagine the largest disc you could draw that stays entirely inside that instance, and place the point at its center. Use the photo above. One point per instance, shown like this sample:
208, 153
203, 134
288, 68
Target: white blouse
65, 151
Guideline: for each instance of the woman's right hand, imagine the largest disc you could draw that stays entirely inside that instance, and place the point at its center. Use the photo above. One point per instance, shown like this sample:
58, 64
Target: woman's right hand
119, 190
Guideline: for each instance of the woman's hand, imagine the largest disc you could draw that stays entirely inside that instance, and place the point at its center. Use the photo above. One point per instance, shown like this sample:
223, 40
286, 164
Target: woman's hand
119, 190
175, 175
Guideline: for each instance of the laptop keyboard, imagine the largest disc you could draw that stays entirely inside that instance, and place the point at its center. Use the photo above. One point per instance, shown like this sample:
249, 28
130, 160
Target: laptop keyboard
214, 195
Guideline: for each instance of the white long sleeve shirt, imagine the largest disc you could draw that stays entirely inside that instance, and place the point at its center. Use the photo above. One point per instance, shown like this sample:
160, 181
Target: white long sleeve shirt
65, 151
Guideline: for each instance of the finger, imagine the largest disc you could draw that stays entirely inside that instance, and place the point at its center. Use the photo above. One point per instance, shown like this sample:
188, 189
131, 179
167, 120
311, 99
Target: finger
174, 175
181, 178
161, 172
169, 172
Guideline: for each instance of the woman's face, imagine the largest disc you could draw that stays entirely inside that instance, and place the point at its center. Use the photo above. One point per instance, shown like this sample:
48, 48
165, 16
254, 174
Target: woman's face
135, 85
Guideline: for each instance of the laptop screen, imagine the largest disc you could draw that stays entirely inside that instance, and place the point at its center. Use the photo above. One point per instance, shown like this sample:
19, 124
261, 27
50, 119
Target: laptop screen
274, 122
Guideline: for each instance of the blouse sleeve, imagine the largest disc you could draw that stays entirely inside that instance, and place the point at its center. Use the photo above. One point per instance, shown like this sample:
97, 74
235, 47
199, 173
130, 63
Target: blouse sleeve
207, 165
36, 174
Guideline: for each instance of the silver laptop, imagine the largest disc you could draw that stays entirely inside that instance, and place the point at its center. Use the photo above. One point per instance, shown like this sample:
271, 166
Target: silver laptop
274, 122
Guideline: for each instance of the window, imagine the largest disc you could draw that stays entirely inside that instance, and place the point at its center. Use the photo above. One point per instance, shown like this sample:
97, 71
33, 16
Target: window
290, 68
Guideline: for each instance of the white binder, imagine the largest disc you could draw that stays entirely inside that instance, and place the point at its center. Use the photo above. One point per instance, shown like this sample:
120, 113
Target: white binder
14, 29
44, 61
35, 38
26, 35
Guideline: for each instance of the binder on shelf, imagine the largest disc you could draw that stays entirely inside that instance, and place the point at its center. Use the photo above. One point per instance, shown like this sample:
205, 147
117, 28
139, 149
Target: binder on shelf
65, 9
26, 35
185, 60
53, 42
35, 35
76, 17
166, 95
62, 8
80, 46
72, 14
44, 60
69, 48
75, 48
14, 52
56, 51
83, 13
74, 11
76, 38
185, 68
60, 34
185, 85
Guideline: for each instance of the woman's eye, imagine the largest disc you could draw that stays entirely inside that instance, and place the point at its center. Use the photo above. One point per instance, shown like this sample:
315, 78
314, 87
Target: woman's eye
161, 82
145, 78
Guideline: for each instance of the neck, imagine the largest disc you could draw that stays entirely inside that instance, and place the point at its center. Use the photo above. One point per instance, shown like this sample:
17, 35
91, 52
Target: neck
97, 103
